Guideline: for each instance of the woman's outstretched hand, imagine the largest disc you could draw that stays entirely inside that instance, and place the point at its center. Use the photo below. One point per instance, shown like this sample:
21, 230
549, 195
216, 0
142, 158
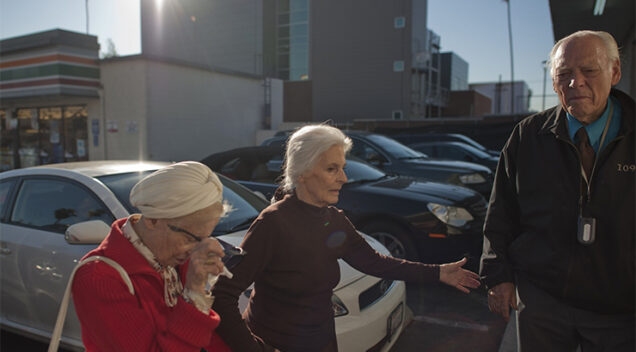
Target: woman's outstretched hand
454, 275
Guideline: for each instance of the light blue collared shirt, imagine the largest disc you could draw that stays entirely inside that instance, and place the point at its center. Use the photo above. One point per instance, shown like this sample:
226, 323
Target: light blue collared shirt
595, 129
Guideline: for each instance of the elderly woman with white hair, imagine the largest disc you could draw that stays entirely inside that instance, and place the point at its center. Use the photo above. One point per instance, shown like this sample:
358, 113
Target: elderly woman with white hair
294, 246
170, 310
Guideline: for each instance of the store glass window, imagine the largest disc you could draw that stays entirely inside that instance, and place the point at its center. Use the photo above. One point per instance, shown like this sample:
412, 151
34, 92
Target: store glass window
75, 133
44, 135
8, 127
28, 131
51, 136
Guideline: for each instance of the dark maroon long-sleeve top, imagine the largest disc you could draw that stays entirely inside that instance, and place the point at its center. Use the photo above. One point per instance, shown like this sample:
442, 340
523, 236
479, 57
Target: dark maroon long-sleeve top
292, 258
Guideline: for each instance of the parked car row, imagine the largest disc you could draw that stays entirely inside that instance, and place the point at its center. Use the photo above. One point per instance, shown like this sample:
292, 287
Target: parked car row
38, 205
394, 157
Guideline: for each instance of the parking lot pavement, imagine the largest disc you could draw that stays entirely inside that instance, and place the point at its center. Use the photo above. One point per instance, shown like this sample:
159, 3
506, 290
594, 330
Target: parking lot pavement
444, 320
447, 320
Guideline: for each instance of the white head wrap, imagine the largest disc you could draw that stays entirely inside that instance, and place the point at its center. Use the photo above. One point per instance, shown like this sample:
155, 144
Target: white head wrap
177, 190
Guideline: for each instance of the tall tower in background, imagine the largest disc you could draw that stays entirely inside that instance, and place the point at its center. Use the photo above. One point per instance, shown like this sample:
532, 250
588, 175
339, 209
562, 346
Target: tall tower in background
341, 59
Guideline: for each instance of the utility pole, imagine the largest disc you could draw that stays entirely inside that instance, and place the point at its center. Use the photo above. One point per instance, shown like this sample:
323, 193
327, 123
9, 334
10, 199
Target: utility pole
512, 71
86, 6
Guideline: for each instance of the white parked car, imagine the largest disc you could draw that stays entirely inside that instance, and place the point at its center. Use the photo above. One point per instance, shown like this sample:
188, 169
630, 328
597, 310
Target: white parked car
38, 204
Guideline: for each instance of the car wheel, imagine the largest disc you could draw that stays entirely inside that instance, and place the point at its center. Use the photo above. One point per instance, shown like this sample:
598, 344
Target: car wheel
394, 238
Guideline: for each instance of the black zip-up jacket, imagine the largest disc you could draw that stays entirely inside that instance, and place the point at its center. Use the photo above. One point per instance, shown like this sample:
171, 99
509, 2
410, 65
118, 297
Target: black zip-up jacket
531, 224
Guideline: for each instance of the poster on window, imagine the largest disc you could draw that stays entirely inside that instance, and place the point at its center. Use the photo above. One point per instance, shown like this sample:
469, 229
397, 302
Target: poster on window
132, 127
54, 137
81, 148
111, 126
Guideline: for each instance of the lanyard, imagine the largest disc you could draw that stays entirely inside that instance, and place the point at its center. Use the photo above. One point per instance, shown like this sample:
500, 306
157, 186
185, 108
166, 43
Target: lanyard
600, 146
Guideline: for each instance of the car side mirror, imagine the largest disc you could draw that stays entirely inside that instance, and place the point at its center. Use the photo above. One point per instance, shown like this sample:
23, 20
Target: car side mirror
87, 232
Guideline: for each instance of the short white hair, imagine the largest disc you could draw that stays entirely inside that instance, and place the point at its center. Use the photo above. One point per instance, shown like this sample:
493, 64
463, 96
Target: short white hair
305, 146
609, 41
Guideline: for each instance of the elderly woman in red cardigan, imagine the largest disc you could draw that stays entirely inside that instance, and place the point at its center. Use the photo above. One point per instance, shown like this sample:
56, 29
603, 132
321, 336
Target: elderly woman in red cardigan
170, 311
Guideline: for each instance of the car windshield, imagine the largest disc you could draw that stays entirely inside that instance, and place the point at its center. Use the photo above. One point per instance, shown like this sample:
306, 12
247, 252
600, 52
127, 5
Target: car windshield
244, 205
395, 148
479, 153
469, 141
359, 172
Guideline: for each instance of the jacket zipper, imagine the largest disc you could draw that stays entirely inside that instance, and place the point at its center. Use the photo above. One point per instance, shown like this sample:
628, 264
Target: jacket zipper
581, 176
589, 192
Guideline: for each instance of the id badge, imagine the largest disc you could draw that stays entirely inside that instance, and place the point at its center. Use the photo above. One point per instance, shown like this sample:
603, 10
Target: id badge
587, 230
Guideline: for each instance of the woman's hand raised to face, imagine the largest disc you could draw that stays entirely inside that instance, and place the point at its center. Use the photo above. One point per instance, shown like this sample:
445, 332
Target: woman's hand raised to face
454, 275
205, 259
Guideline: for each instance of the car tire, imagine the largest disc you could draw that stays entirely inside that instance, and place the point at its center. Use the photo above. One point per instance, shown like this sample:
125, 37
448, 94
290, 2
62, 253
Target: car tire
394, 238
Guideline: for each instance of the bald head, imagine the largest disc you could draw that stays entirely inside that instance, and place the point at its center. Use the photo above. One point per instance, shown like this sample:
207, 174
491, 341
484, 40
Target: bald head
610, 46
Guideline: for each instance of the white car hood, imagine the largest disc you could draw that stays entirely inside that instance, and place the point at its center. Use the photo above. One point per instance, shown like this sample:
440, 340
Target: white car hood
347, 273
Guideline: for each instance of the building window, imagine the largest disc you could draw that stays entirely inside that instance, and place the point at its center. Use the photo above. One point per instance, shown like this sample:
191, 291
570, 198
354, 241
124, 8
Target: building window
399, 22
398, 66
293, 39
397, 114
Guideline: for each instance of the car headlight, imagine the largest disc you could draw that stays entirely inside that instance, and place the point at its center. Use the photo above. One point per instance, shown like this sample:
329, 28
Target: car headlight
472, 178
339, 308
454, 216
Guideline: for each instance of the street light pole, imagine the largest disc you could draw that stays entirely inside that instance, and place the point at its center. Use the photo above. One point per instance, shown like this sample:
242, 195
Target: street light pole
512, 71
86, 16
545, 69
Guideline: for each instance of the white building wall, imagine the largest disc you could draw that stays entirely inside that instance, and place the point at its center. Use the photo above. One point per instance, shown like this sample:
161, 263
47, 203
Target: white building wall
277, 103
195, 112
501, 103
124, 110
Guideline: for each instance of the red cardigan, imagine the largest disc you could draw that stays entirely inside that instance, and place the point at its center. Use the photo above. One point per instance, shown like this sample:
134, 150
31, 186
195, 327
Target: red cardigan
114, 320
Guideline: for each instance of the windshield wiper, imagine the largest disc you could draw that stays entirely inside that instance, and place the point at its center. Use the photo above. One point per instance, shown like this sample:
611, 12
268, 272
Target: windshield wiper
411, 157
366, 180
243, 225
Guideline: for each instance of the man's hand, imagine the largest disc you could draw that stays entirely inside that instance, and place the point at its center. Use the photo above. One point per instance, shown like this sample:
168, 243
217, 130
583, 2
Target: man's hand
501, 298
454, 275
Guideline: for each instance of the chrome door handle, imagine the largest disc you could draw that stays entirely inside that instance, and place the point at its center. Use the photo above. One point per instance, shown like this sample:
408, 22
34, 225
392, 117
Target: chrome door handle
5, 250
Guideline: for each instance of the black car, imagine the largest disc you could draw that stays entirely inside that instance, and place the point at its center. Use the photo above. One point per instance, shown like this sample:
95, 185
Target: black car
394, 157
414, 219
410, 139
457, 151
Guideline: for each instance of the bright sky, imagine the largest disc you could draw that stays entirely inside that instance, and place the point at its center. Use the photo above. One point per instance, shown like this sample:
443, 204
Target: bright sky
476, 30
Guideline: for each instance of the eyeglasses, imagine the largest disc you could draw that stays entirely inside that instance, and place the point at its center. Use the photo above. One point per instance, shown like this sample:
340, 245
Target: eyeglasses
233, 254
178, 229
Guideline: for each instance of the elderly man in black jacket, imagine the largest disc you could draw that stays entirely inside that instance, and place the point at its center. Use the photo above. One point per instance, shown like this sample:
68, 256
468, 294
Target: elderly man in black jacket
559, 233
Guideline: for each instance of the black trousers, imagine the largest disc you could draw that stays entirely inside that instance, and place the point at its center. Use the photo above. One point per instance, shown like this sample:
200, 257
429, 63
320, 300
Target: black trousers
545, 324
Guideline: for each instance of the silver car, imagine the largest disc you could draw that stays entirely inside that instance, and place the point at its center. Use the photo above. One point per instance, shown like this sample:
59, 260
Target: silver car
38, 204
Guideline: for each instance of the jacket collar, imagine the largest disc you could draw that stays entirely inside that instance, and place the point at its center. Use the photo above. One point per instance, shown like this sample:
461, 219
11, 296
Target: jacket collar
556, 121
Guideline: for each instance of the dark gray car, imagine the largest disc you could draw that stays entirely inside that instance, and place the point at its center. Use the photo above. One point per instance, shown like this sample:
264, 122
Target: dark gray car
457, 151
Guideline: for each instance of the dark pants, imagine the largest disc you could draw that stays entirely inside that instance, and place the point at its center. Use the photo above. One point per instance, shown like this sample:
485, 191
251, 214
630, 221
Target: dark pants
545, 324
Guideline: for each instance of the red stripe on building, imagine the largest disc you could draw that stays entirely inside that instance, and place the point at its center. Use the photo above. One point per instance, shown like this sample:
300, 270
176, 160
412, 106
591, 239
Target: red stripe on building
48, 58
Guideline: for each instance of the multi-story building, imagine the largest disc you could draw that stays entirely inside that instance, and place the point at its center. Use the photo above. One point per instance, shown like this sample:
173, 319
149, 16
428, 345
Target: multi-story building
344, 60
454, 70
500, 94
